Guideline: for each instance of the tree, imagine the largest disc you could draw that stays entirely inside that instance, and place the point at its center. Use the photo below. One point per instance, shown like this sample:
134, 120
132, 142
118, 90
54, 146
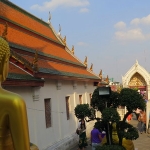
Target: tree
107, 105
83, 111
132, 100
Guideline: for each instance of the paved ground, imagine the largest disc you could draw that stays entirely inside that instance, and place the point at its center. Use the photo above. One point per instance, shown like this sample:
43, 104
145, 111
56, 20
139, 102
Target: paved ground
142, 143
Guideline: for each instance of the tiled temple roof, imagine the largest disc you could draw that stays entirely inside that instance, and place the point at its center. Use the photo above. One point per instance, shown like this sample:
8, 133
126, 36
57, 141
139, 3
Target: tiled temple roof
27, 34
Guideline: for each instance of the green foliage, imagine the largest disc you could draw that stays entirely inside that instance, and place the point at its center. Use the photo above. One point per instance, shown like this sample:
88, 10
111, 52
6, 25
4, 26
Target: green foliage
110, 147
131, 99
114, 100
99, 102
110, 115
83, 110
127, 131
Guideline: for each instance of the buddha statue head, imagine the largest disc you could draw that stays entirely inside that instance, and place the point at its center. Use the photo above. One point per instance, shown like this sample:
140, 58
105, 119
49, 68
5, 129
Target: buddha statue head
4, 59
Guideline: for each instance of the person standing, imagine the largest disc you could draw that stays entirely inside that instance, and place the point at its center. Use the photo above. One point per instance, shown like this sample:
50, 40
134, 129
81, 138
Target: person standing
82, 134
142, 121
96, 138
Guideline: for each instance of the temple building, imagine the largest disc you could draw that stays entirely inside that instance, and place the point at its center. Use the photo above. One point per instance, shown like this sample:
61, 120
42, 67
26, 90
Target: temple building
47, 74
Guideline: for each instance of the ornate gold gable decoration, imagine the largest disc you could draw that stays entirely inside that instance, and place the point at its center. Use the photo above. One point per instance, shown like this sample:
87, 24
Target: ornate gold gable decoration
100, 74
4, 34
23, 61
91, 68
72, 50
137, 80
35, 61
85, 61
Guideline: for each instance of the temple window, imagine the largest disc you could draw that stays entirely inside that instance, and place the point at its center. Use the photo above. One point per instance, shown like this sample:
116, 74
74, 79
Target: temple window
47, 112
67, 107
80, 99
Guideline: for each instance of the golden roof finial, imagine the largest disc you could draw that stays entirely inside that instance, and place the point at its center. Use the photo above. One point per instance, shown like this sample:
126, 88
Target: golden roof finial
85, 61
4, 34
64, 40
107, 79
100, 74
91, 68
72, 49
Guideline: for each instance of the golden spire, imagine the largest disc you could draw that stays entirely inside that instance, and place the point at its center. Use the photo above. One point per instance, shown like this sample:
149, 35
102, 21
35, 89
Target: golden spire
85, 61
100, 74
107, 79
72, 49
64, 40
4, 34
91, 68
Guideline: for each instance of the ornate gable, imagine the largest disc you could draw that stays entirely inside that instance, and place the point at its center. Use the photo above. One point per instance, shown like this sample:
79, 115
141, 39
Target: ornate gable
136, 76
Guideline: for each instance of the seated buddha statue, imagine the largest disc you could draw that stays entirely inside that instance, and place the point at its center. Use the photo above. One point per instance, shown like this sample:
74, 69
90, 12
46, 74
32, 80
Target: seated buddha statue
14, 134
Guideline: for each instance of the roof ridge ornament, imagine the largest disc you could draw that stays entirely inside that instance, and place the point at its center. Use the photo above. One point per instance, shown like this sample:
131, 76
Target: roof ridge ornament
136, 64
91, 68
85, 61
49, 18
107, 79
4, 34
64, 40
59, 32
100, 74
72, 49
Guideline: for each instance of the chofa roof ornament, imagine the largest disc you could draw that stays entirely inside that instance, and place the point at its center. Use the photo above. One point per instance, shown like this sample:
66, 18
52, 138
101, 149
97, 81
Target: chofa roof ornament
85, 61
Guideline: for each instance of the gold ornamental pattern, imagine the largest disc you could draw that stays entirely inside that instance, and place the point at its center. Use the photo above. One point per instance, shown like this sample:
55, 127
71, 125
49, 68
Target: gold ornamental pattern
137, 80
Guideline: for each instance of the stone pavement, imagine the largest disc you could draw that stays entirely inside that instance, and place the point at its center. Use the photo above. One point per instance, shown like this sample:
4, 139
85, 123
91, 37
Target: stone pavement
142, 143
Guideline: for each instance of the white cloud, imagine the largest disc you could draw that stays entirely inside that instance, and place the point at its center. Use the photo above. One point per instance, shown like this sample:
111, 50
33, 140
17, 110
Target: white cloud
120, 25
84, 10
82, 44
135, 21
53, 4
144, 21
133, 34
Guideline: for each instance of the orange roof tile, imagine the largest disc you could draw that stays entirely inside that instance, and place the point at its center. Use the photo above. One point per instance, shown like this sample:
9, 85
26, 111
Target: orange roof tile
29, 41
60, 67
18, 15
25, 38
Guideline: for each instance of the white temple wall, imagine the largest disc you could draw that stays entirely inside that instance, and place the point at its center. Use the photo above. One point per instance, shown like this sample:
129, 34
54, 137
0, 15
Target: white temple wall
61, 134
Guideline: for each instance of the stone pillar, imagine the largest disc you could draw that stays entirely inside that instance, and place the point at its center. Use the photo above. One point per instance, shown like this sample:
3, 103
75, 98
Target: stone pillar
148, 106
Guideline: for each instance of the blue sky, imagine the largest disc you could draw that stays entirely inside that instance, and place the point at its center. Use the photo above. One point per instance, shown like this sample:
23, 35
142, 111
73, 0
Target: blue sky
113, 34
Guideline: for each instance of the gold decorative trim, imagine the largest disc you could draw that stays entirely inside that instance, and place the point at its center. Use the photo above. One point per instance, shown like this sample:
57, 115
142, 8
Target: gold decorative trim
23, 61
4, 34
85, 61
137, 80
91, 68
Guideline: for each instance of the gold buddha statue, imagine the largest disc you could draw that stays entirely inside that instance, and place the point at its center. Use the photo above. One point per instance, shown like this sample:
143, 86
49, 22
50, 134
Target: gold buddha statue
14, 134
